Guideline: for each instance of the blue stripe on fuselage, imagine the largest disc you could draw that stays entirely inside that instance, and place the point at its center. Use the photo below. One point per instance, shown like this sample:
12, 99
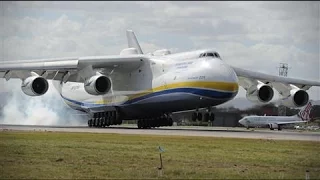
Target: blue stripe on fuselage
200, 92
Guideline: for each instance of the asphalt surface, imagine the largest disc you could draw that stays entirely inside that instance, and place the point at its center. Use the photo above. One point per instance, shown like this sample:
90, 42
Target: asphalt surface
178, 130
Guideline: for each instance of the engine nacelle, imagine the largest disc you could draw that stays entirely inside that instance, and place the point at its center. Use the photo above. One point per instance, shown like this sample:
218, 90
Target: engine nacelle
296, 99
97, 85
273, 126
260, 93
129, 51
161, 52
35, 86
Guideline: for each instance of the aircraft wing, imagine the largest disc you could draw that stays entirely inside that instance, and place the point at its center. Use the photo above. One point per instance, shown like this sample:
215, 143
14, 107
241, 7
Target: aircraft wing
267, 78
292, 122
57, 68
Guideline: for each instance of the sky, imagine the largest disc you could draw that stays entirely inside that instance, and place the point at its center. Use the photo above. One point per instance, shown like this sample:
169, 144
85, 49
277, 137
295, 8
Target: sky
251, 35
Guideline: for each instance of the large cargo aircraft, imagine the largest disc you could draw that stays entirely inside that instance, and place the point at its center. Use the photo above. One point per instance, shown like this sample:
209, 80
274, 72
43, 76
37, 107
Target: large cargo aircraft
276, 122
149, 87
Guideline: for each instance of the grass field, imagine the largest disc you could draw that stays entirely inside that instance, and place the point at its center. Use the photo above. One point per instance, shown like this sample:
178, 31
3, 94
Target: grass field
39, 155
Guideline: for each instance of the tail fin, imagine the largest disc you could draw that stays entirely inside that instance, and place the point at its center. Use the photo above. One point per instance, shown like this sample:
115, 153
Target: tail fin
304, 113
133, 42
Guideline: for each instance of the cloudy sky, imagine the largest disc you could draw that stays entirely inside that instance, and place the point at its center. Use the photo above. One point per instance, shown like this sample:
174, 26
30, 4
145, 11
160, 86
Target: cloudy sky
252, 35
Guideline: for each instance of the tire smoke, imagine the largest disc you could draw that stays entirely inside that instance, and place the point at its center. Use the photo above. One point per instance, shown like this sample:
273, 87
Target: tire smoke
48, 109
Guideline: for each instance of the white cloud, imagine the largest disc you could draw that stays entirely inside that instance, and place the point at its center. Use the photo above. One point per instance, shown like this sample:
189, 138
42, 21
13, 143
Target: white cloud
255, 35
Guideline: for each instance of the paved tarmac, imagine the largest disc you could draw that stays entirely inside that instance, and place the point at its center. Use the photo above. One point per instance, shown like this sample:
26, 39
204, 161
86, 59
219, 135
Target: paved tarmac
179, 131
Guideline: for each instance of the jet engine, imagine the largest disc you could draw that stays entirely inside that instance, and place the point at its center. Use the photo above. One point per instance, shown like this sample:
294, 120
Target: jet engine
97, 85
273, 126
35, 86
296, 99
260, 93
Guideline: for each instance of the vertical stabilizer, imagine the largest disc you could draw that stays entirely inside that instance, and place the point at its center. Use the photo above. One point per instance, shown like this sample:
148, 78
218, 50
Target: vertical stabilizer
304, 113
133, 42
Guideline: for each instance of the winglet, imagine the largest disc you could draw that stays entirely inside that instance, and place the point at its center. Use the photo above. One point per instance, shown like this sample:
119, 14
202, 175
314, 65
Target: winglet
304, 113
133, 42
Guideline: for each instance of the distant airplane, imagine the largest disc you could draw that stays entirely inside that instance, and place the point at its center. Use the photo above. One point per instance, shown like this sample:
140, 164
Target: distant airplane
149, 87
275, 122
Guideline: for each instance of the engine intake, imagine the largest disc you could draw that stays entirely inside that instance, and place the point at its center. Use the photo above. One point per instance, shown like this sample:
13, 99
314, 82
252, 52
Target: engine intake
260, 93
301, 98
35, 86
297, 98
97, 85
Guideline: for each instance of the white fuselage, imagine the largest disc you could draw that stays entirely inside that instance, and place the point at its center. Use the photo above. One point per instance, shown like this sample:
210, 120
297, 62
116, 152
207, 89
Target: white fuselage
250, 121
164, 84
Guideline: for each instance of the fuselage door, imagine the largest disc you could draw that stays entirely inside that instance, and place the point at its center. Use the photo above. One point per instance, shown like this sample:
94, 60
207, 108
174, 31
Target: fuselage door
159, 70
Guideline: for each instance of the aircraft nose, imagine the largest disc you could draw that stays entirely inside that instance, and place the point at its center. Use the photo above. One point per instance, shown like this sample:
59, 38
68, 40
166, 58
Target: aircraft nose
221, 76
229, 74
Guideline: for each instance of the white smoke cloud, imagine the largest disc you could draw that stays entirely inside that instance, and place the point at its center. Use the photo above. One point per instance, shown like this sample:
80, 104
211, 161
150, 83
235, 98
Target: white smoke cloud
48, 109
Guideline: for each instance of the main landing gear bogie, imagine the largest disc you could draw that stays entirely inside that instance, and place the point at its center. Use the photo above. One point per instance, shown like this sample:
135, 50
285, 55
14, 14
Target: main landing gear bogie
103, 119
208, 116
155, 122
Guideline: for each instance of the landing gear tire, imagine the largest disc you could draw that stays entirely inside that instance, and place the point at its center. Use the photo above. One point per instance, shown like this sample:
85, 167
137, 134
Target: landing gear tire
109, 121
212, 117
95, 122
139, 124
103, 122
107, 118
194, 116
154, 122
170, 121
119, 121
99, 122
90, 122
199, 116
206, 117
143, 124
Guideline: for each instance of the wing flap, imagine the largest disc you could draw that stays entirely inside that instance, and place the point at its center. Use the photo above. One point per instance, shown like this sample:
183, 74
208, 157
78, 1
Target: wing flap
57, 68
44, 65
126, 62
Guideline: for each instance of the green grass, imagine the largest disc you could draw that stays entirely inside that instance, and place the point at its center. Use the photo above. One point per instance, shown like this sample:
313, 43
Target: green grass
39, 155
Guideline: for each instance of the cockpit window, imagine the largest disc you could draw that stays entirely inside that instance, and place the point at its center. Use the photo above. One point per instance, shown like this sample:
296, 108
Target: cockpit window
212, 54
216, 55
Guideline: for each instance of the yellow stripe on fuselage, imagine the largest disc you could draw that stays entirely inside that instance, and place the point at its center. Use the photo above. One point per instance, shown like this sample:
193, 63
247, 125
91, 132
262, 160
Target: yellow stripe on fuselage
222, 86
219, 86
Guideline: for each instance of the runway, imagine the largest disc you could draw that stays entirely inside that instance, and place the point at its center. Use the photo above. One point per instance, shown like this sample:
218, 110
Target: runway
178, 131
